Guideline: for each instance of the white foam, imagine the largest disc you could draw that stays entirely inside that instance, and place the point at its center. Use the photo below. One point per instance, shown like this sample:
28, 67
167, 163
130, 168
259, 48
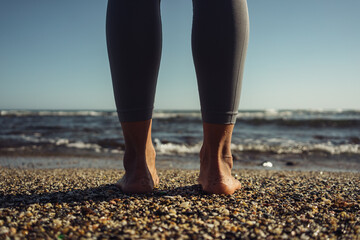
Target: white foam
164, 115
343, 148
33, 139
77, 144
82, 145
60, 141
298, 148
172, 148
269, 113
275, 145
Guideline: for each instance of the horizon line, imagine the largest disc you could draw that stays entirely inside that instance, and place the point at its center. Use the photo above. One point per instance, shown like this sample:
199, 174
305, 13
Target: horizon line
190, 109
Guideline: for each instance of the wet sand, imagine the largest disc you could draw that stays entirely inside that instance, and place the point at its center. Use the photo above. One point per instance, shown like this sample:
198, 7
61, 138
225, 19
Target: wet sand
75, 203
250, 162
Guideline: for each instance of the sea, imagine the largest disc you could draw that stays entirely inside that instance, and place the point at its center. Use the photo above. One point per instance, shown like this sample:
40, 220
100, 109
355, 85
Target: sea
314, 140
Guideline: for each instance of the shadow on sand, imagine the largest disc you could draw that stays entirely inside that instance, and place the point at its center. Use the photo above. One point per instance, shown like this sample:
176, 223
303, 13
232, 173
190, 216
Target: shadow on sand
97, 194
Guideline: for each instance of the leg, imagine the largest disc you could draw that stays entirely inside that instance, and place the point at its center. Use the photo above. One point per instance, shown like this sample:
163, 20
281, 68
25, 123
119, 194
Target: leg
219, 42
133, 32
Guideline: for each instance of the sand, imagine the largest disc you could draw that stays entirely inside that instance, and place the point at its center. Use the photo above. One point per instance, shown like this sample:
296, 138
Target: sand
84, 203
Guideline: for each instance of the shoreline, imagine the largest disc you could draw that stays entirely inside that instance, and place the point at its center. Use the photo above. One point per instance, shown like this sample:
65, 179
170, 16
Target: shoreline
180, 162
74, 203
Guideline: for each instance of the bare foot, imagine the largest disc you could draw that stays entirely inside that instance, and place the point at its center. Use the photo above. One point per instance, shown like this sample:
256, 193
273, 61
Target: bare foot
139, 159
216, 160
216, 177
140, 176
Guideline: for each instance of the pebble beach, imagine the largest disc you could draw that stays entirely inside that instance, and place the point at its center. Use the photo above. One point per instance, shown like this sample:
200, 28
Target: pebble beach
85, 204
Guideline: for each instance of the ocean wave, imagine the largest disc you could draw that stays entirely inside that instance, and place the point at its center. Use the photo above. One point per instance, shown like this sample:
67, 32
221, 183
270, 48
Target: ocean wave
313, 123
176, 114
291, 147
76, 144
327, 148
279, 122
269, 114
30, 113
248, 146
24, 141
173, 148
156, 114
300, 114
168, 114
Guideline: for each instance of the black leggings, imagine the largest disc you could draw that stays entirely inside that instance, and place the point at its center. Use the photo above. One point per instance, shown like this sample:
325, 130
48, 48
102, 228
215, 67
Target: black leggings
220, 35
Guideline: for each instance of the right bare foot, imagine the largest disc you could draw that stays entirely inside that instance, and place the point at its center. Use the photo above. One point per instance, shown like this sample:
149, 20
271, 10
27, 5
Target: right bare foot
139, 159
216, 160
215, 175
140, 175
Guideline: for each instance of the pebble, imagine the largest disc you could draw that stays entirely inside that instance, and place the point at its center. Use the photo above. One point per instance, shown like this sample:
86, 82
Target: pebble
85, 204
185, 204
267, 164
4, 230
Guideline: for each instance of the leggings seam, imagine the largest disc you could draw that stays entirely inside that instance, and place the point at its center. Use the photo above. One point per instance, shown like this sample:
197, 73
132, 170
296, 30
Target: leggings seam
239, 67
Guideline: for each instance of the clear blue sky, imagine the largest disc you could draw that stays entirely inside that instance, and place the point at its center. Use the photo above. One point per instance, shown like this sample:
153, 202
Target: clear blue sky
302, 54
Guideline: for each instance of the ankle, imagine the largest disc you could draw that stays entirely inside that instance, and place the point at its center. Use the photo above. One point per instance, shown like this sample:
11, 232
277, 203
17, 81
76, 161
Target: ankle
210, 154
139, 160
136, 152
137, 135
216, 150
215, 163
